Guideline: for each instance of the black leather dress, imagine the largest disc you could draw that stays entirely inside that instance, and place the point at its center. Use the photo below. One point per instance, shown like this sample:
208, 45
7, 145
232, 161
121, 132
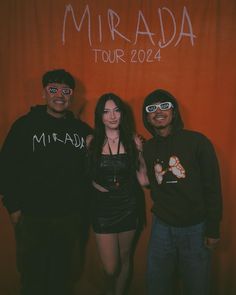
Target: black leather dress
116, 210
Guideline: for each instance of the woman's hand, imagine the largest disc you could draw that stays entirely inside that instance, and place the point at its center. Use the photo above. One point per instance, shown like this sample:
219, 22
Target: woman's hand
211, 243
89, 139
15, 217
139, 141
142, 171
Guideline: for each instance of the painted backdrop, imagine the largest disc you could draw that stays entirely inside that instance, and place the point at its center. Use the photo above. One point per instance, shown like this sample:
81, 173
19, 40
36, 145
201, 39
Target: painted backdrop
131, 48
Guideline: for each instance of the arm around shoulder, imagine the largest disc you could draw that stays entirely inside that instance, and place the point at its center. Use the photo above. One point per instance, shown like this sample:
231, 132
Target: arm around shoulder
142, 169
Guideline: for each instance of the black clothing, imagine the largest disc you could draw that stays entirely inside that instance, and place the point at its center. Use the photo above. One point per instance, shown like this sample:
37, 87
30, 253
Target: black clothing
113, 212
186, 190
45, 252
185, 185
43, 162
116, 210
113, 172
43, 168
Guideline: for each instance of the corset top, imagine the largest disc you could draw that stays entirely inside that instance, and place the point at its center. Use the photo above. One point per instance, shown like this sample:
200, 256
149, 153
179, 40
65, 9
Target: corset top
113, 171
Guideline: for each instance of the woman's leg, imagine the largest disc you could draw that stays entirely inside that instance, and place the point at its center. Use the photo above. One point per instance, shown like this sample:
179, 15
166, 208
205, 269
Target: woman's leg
108, 248
125, 246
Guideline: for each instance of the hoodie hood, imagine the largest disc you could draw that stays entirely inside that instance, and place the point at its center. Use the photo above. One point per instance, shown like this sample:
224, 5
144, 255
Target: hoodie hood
39, 111
161, 95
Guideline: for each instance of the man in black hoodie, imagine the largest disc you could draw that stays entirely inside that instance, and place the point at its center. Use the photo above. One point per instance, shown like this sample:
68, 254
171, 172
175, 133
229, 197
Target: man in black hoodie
185, 187
44, 188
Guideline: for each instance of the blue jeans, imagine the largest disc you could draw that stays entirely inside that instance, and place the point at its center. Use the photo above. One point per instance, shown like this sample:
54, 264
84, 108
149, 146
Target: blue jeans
177, 252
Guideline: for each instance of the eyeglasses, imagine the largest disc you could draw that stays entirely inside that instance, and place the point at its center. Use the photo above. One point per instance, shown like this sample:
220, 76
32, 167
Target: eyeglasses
163, 106
53, 90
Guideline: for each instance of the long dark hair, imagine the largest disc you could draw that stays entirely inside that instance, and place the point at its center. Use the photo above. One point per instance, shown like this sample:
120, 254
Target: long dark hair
126, 132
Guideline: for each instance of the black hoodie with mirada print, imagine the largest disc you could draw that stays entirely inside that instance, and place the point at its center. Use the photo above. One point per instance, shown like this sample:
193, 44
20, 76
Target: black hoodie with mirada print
43, 164
183, 172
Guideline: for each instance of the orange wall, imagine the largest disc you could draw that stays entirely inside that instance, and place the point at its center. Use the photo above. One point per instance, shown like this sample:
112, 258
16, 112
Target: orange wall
186, 47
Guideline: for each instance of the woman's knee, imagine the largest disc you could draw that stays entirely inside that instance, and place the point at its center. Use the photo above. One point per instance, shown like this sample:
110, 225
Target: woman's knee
111, 269
125, 256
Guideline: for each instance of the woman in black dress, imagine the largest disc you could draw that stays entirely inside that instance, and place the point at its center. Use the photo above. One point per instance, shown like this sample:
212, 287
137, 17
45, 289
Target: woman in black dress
117, 170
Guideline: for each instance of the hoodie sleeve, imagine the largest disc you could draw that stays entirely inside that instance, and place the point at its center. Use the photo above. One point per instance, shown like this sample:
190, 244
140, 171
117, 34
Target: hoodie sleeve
211, 187
10, 164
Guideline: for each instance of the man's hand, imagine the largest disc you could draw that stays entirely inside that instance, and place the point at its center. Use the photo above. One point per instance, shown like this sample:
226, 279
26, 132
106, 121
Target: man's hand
211, 243
15, 217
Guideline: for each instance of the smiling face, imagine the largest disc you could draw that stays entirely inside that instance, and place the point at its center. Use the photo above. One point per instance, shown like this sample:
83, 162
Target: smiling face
111, 115
58, 97
161, 120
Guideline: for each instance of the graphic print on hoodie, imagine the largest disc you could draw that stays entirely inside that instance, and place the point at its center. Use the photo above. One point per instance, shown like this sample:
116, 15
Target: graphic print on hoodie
44, 161
174, 166
183, 173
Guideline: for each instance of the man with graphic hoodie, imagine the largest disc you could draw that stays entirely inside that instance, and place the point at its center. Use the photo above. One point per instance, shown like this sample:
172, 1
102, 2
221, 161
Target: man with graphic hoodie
185, 187
43, 162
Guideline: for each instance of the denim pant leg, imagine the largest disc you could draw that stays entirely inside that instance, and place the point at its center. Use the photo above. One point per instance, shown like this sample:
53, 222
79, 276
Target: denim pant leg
194, 260
162, 260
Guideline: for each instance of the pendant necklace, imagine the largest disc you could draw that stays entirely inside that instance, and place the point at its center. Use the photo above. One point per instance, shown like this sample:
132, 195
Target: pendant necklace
115, 179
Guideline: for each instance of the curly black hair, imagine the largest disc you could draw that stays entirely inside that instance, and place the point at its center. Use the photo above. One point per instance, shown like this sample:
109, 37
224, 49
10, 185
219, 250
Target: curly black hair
58, 76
